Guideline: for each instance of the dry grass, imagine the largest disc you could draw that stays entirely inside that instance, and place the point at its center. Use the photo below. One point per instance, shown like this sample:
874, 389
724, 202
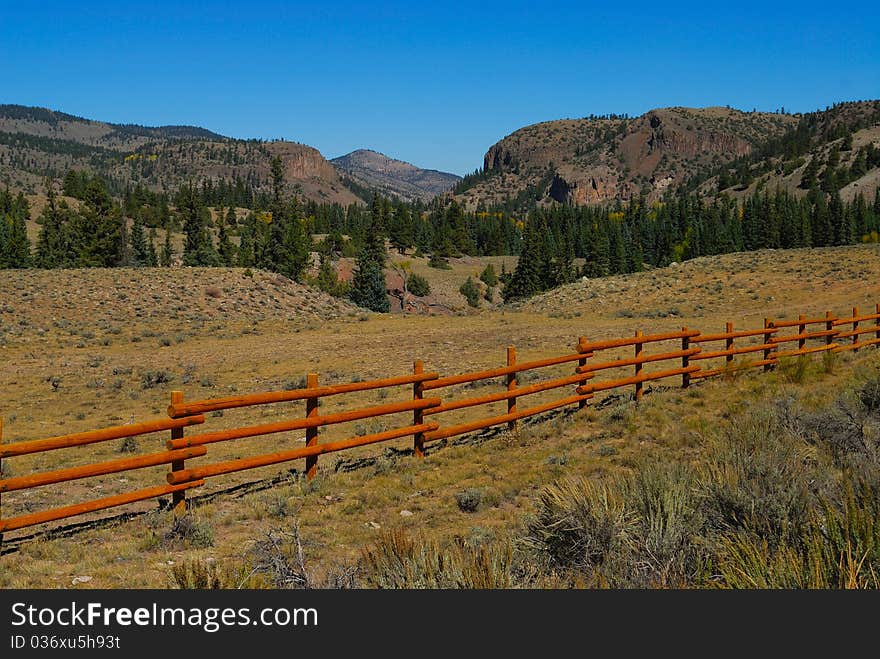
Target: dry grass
62, 377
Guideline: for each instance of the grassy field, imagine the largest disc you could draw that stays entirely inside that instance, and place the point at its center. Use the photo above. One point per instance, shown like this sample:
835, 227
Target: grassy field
88, 349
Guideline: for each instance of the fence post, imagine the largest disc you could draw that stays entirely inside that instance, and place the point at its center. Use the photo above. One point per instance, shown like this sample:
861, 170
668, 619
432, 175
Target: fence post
582, 340
511, 386
877, 321
728, 343
419, 437
639, 366
802, 328
178, 499
311, 433
829, 327
855, 338
685, 345
768, 324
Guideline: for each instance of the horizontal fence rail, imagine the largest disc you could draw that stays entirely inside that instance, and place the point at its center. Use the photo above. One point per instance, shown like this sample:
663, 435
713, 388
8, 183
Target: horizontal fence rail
696, 355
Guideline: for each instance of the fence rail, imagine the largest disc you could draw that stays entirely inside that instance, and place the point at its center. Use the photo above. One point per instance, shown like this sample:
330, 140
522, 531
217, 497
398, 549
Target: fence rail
768, 343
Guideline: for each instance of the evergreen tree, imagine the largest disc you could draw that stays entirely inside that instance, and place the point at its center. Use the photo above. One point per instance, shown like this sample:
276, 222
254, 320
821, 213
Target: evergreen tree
810, 173
294, 254
53, 250
139, 249
15, 248
167, 255
488, 276
368, 283
198, 248
471, 292
841, 221
248, 238
225, 248
152, 258
97, 234
328, 281
401, 233
528, 278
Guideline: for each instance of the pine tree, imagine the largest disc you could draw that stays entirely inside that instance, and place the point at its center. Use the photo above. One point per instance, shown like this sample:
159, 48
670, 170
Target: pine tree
488, 276
152, 258
15, 248
52, 248
841, 221
401, 233
167, 255
811, 171
246, 246
138, 239
368, 283
294, 254
225, 248
199, 248
328, 281
97, 234
528, 278
471, 292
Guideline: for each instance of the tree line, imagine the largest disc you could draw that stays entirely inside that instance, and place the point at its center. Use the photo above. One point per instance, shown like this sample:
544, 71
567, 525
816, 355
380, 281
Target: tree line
281, 230
625, 238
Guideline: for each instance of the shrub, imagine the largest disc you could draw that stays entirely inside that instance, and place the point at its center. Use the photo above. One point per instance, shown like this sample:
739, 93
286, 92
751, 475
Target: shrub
579, 525
198, 574
439, 262
418, 285
469, 499
869, 396
488, 276
151, 379
279, 556
396, 560
471, 292
128, 445
192, 533
756, 478
794, 369
662, 498
840, 549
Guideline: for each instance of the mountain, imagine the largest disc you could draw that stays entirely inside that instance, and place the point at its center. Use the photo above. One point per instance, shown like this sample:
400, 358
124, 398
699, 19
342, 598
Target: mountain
38, 142
395, 178
833, 149
598, 159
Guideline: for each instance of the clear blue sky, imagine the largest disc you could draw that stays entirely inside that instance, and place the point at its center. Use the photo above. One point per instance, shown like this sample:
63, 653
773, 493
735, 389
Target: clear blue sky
429, 82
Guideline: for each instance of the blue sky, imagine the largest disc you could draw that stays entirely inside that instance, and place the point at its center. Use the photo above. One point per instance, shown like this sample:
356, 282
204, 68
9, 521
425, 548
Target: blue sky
432, 83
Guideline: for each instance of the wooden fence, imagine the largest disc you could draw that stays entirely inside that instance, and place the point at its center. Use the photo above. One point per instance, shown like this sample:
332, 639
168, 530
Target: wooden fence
768, 344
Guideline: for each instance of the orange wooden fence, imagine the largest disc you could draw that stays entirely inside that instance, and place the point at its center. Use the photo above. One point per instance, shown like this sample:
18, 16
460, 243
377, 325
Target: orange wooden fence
769, 344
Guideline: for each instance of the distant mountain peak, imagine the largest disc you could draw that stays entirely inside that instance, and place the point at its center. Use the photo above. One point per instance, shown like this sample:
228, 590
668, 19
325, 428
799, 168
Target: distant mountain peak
397, 178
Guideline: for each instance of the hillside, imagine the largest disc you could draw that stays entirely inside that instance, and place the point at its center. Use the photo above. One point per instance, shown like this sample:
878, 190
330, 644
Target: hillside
36, 142
394, 178
123, 303
70, 370
835, 148
594, 160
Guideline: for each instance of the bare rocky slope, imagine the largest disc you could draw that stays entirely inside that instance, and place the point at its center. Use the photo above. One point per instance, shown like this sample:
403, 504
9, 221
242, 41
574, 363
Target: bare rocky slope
594, 160
394, 178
